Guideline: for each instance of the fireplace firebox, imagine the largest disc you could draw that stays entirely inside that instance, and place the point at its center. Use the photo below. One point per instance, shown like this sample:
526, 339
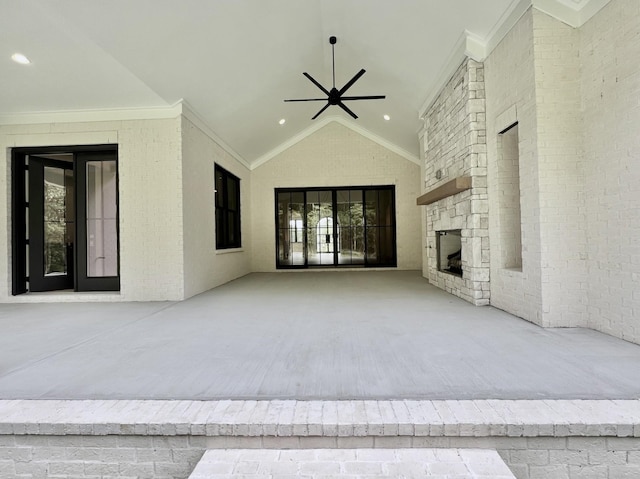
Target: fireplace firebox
449, 250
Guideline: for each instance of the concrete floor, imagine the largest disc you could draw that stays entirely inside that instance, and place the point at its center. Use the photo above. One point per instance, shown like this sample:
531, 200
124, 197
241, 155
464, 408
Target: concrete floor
316, 335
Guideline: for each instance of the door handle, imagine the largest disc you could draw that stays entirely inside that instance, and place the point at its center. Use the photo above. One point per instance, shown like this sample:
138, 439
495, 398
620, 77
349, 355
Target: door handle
328, 238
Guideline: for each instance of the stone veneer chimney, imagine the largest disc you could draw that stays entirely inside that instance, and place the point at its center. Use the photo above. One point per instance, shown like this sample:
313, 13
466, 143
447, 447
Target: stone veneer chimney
455, 181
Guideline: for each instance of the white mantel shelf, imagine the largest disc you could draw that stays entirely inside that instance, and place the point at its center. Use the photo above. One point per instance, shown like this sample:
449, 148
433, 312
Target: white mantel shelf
450, 188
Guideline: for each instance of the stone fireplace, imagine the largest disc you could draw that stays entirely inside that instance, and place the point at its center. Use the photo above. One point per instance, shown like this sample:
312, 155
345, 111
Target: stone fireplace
456, 209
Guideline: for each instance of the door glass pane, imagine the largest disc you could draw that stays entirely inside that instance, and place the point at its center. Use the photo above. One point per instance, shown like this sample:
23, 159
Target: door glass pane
55, 224
290, 229
372, 246
70, 208
371, 207
380, 218
386, 248
385, 208
320, 235
102, 229
350, 227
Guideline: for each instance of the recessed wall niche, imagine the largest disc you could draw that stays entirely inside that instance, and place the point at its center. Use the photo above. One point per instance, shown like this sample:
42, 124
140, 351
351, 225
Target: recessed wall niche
509, 185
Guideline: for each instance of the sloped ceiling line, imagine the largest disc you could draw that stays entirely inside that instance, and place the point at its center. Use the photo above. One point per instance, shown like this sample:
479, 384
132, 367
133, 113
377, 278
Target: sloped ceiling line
344, 122
190, 113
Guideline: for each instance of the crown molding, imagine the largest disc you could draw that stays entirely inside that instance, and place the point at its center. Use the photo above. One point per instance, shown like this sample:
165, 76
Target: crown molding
560, 11
78, 116
505, 23
590, 8
190, 114
344, 122
474, 47
569, 12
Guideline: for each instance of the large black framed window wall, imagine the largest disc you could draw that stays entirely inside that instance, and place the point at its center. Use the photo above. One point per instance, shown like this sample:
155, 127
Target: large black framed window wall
227, 186
65, 219
335, 227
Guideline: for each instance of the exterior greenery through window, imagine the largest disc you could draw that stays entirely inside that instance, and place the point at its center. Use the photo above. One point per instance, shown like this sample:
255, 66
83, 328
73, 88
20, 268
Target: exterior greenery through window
227, 209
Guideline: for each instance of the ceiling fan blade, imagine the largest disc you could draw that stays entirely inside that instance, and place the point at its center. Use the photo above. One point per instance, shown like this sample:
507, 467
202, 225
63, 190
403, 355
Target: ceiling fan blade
352, 81
343, 106
316, 83
372, 97
323, 109
309, 99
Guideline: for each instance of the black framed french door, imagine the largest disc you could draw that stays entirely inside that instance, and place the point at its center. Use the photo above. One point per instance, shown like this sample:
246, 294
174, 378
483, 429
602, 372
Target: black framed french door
65, 219
51, 224
333, 227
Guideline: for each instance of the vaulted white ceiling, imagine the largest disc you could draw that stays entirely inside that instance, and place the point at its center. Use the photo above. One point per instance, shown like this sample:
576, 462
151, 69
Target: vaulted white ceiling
235, 61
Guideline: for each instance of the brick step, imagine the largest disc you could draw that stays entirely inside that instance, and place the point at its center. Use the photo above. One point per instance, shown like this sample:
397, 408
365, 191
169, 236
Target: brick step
351, 463
297, 419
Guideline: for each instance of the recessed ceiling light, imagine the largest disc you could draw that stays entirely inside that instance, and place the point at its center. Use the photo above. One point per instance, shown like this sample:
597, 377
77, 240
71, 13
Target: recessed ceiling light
20, 58
282, 122
387, 117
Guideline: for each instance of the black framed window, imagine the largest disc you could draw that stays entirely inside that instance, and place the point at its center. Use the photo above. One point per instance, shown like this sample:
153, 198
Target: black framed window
227, 209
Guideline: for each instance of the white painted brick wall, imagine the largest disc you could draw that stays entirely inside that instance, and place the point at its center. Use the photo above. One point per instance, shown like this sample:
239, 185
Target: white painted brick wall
610, 48
91, 457
204, 268
510, 92
336, 156
151, 223
560, 172
164, 457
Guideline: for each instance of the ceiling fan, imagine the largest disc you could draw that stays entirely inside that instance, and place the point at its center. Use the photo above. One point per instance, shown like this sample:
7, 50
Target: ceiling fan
334, 96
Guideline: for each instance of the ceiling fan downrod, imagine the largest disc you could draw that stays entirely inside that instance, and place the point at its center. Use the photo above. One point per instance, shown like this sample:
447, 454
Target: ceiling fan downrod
332, 41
